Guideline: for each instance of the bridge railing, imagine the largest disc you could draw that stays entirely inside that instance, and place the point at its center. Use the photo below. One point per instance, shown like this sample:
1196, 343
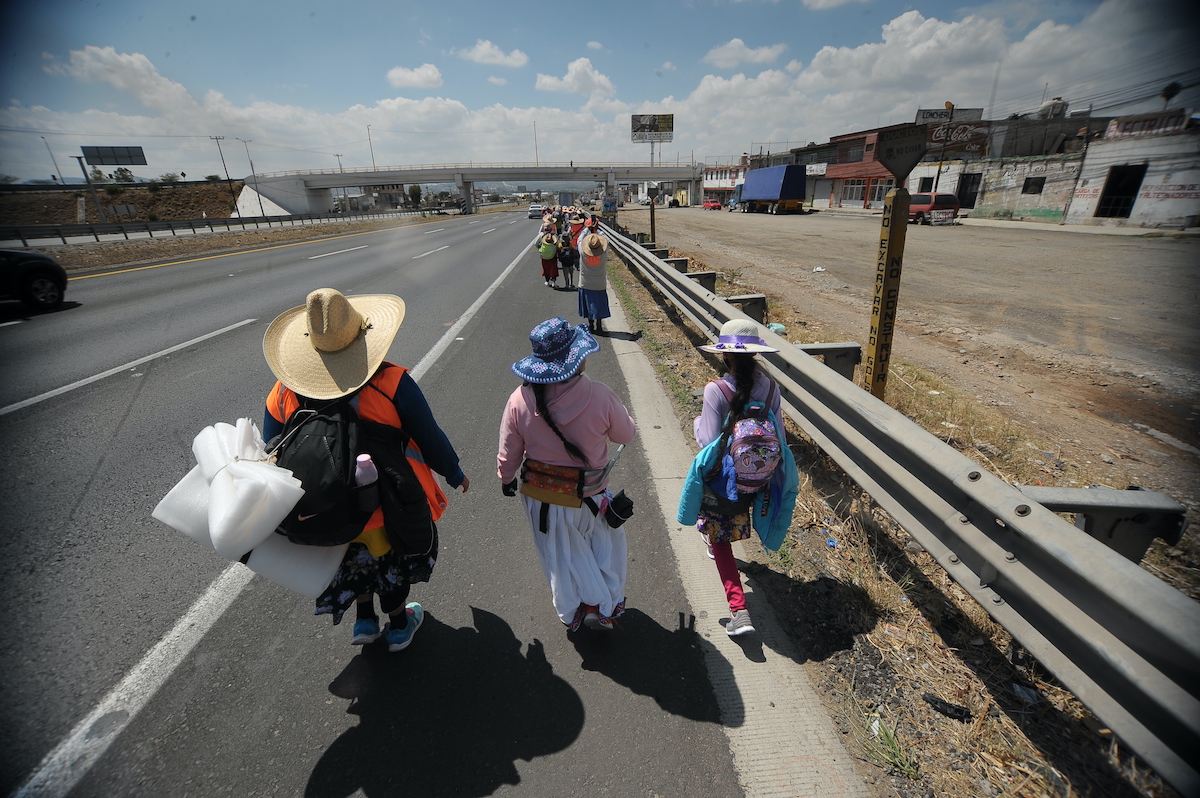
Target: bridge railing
1124, 642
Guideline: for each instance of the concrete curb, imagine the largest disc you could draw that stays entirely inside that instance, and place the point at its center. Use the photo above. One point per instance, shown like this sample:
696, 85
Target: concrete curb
783, 742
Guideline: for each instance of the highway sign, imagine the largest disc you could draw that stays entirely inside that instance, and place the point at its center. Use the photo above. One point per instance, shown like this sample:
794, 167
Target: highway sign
901, 149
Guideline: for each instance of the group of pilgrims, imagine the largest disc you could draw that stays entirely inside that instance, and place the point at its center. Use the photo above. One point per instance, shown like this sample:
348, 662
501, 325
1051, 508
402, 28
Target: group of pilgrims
571, 243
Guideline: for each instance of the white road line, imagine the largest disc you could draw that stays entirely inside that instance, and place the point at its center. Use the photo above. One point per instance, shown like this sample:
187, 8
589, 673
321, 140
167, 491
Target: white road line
339, 252
448, 338
67, 764
427, 232
11, 323
132, 364
430, 252
485, 232
70, 761
514, 221
474, 222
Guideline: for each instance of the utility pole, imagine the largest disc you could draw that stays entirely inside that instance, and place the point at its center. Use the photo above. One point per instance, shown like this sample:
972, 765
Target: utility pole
253, 175
54, 161
945, 140
225, 166
92, 187
372, 146
345, 194
536, 160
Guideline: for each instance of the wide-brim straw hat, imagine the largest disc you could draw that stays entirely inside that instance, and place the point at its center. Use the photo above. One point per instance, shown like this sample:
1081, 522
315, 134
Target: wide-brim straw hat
593, 244
332, 345
548, 238
739, 337
558, 349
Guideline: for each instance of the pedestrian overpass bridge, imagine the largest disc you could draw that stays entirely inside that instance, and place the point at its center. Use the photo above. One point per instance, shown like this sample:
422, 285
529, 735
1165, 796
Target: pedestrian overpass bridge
312, 192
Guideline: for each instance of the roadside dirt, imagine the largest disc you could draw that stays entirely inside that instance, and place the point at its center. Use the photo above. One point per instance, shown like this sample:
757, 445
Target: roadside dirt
1090, 342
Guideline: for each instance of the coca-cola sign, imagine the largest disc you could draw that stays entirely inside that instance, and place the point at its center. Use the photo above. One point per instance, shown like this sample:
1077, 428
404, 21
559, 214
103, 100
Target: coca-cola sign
968, 139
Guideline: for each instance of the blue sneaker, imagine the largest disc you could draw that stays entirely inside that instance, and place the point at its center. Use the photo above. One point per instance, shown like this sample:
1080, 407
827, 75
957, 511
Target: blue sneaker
398, 639
366, 630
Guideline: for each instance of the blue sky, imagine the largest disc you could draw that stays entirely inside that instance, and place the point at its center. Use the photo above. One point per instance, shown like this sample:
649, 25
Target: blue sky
468, 81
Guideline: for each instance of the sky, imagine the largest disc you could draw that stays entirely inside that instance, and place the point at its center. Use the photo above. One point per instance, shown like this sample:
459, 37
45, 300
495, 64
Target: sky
311, 86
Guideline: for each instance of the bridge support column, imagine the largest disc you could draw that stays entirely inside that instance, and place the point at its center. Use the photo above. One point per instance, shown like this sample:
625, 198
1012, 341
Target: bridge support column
466, 190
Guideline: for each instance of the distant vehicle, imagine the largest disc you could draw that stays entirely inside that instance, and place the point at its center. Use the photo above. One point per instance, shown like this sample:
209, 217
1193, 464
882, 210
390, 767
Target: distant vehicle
37, 280
773, 189
644, 201
712, 205
673, 202
566, 199
923, 207
609, 204
535, 211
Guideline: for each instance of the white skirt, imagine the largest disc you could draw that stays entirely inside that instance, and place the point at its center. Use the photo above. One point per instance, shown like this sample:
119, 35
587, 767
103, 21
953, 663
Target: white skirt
584, 559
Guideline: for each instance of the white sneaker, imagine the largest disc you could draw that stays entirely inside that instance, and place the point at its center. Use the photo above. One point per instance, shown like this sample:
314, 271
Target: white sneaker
739, 624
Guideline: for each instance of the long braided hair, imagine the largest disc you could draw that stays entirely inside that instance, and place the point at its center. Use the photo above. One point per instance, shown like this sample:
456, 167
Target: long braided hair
743, 368
539, 394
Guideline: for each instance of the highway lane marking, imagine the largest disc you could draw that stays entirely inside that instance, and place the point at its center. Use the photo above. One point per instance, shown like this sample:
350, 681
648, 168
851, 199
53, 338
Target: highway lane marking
11, 323
430, 252
485, 232
66, 765
339, 252
427, 232
70, 761
132, 364
471, 223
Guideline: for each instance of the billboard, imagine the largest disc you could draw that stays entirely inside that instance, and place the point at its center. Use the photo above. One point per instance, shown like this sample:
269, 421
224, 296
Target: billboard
940, 116
114, 156
653, 127
961, 140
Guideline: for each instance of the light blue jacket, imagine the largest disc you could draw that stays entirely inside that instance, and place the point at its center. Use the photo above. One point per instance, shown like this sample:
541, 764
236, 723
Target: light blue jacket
771, 513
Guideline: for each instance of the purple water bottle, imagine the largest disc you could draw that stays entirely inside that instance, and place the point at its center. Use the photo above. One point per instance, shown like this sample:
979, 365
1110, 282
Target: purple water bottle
366, 476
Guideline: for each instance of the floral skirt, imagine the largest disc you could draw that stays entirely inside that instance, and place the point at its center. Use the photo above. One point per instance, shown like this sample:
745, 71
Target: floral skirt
723, 528
360, 574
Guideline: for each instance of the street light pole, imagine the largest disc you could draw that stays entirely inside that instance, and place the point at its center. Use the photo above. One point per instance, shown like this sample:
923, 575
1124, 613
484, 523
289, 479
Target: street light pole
253, 175
54, 161
372, 146
225, 166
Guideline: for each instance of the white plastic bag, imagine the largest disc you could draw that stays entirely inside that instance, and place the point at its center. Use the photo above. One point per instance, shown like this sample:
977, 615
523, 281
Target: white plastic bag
306, 570
235, 498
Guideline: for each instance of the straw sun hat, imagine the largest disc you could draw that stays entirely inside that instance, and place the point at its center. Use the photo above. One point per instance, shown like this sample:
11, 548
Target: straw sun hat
593, 244
738, 337
332, 344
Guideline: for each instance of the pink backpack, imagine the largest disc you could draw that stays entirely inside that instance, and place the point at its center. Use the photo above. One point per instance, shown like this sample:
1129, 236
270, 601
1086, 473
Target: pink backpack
754, 442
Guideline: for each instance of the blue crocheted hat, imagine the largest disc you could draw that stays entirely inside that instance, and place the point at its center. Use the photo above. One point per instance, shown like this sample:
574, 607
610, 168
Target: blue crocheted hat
558, 349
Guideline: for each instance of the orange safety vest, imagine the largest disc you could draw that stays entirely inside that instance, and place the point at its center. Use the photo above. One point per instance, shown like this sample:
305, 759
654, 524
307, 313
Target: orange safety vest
378, 406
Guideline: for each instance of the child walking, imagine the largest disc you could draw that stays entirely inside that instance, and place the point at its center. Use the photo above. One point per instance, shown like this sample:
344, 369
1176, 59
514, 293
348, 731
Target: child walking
741, 479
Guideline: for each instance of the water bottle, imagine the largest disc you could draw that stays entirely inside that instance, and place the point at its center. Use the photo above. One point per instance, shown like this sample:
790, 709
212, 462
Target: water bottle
366, 476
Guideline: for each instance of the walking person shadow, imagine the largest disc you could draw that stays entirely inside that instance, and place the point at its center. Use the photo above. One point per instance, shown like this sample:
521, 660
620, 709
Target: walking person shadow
680, 682
457, 696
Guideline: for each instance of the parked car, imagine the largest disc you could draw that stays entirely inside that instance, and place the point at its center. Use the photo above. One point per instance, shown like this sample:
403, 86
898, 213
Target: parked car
535, 211
922, 205
37, 280
712, 205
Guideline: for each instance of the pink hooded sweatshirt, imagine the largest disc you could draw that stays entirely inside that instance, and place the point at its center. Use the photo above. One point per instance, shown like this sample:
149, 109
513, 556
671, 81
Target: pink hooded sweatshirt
587, 413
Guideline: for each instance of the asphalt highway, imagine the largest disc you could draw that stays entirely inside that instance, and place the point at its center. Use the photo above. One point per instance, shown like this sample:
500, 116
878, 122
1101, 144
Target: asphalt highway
272, 700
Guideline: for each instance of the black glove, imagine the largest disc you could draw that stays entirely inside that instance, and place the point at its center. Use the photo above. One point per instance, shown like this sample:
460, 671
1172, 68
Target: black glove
509, 488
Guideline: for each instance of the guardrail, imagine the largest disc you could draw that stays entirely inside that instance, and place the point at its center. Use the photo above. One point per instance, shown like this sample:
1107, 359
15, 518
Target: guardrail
1124, 642
45, 232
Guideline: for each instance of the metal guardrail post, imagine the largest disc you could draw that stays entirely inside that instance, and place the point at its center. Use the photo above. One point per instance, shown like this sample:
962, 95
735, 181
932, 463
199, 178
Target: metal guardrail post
1124, 642
842, 357
753, 305
1124, 520
679, 264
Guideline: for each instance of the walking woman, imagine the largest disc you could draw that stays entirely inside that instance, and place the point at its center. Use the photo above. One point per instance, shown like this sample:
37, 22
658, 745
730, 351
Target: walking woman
593, 280
724, 486
548, 252
554, 437
330, 348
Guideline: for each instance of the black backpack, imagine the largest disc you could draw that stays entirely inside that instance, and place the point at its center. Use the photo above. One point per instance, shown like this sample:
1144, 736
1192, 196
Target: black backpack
319, 445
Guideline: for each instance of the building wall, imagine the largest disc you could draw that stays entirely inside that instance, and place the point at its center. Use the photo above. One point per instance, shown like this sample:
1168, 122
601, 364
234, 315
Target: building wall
1170, 192
1002, 192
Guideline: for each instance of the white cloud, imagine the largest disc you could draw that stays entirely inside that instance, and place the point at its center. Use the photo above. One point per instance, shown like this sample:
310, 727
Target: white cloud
484, 52
497, 81
131, 73
424, 76
581, 78
794, 66
735, 51
595, 46
668, 67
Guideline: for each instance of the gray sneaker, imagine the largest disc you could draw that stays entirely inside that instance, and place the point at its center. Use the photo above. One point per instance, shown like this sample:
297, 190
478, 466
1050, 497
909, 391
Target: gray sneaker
739, 624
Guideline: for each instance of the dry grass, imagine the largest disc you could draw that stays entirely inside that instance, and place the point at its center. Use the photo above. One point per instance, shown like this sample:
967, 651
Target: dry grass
885, 625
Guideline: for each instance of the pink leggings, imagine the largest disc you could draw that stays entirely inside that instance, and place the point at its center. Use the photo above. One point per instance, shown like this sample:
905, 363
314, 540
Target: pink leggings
730, 578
